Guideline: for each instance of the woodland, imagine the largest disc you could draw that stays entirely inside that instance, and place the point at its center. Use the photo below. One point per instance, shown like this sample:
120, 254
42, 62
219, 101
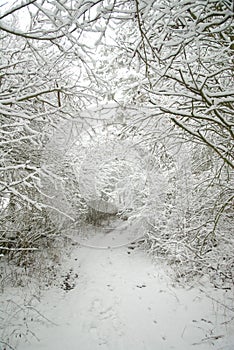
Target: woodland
137, 95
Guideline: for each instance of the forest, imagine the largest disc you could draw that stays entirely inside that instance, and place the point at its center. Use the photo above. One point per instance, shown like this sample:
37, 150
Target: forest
117, 110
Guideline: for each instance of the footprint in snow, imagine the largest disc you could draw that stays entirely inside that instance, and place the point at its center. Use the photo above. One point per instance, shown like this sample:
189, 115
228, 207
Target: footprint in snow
141, 285
110, 287
95, 334
102, 313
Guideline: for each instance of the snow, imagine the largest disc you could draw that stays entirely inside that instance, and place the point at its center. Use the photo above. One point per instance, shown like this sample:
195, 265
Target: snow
122, 299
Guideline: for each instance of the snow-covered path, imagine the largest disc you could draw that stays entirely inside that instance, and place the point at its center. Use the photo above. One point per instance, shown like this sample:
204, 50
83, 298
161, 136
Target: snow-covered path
123, 301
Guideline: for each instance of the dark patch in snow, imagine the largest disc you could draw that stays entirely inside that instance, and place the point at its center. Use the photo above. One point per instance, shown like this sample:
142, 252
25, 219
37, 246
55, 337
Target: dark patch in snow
69, 281
141, 286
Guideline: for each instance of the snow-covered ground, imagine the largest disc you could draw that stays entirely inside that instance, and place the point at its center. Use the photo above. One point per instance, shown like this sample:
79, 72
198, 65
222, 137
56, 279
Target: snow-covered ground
122, 299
